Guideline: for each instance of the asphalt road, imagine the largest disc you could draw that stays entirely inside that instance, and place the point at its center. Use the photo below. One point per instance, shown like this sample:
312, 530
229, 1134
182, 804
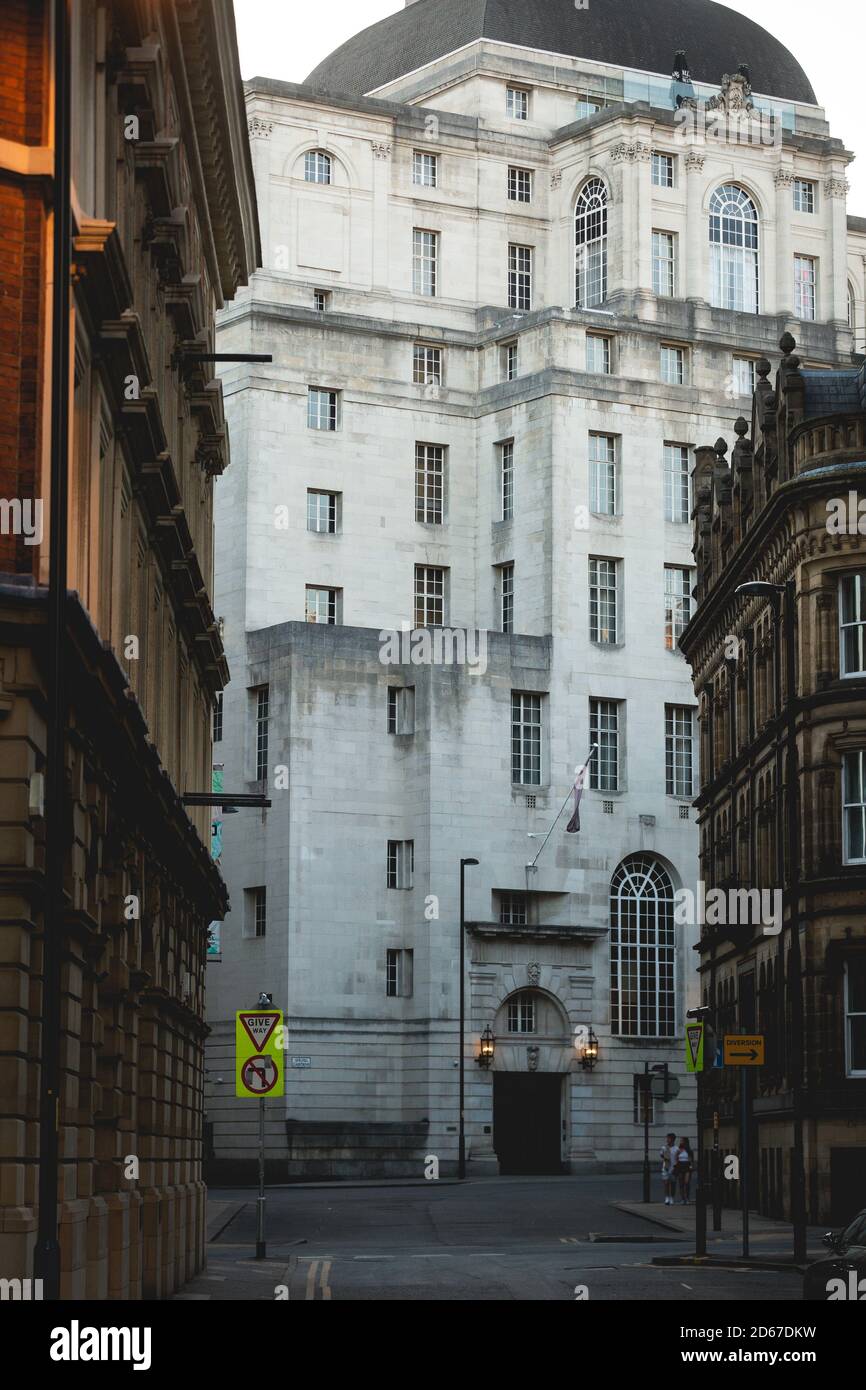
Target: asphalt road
487, 1239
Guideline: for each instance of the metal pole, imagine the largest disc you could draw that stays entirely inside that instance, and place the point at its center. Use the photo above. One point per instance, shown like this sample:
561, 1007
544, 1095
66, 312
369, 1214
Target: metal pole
47, 1251
700, 1188
646, 1158
461, 1145
795, 972
589, 757
744, 1156
717, 1175
261, 1251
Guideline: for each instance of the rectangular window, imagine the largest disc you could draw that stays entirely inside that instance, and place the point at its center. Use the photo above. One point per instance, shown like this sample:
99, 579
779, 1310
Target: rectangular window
519, 277
217, 726
506, 480
398, 974
804, 195
805, 280
401, 709
262, 723
506, 598
317, 167
322, 508
642, 1099
521, 1014
855, 1017
852, 624
323, 605
425, 257
678, 604
678, 750
587, 106
673, 365
429, 596
429, 483
598, 353
321, 300
255, 912
512, 909
519, 184
604, 730
517, 103
603, 475
664, 263
677, 483
426, 365
602, 601
425, 169
509, 361
662, 170
525, 739
401, 863
744, 376
321, 409
854, 806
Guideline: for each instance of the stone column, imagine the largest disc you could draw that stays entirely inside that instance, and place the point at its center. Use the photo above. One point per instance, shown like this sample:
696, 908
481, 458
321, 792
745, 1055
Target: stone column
694, 270
833, 289
783, 292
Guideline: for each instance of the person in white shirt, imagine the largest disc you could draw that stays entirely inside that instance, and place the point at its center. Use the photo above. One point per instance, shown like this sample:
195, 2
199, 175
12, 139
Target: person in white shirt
668, 1155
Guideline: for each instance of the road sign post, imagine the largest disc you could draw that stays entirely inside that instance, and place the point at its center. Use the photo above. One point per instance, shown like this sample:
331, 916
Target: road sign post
258, 1073
744, 1050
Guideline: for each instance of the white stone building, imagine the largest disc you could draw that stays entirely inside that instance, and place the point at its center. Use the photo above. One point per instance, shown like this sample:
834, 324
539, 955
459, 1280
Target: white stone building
508, 288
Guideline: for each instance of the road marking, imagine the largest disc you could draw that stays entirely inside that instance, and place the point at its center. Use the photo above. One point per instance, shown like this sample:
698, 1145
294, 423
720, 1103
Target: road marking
324, 1285
487, 1254
569, 1240
432, 1257
688, 1286
311, 1281
375, 1257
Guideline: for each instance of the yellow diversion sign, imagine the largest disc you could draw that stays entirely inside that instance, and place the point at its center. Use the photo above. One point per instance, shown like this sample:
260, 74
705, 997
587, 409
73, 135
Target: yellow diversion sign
744, 1050
258, 1058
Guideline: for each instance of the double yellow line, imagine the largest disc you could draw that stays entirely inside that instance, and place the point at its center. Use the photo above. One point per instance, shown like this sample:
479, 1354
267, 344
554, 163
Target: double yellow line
318, 1275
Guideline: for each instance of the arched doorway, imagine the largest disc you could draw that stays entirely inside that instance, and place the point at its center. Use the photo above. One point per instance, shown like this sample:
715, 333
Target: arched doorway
529, 1083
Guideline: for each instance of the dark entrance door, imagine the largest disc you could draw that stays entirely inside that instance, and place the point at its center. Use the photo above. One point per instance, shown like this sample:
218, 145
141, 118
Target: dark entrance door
526, 1122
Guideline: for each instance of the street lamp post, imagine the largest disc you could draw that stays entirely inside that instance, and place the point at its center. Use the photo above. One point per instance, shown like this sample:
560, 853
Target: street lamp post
784, 598
461, 1152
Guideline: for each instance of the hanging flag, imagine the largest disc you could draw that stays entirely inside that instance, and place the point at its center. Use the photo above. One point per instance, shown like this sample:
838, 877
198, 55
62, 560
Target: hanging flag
579, 779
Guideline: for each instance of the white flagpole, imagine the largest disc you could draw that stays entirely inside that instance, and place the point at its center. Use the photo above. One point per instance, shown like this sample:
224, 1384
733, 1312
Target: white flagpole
593, 750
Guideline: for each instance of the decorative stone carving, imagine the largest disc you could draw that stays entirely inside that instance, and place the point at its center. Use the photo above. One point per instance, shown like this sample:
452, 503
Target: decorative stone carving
533, 973
784, 179
381, 151
836, 187
630, 151
735, 95
532, 1058
556, 178
259, 129
694, 163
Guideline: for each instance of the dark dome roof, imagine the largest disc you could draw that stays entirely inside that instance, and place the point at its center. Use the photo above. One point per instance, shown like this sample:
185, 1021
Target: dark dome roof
643, 34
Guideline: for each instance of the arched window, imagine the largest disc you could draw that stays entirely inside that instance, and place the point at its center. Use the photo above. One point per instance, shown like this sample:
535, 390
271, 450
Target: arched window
734, 249
590, 245
317, 166
642, 1000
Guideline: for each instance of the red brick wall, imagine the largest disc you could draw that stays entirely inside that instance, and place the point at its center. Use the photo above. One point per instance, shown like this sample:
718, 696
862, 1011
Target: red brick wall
23, 108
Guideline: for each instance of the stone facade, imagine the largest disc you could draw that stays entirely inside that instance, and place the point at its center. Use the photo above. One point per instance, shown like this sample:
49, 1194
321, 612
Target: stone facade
164, 232
773, 718
336, 303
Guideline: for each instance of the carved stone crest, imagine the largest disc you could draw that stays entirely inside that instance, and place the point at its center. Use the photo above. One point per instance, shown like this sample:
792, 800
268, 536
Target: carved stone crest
381, 151
735, 95
259, 128
630, 150
533, 973
694, 163
532, 1058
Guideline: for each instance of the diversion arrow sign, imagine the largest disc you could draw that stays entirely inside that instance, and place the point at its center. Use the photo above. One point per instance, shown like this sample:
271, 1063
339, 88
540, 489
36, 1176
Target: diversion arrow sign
744, 1050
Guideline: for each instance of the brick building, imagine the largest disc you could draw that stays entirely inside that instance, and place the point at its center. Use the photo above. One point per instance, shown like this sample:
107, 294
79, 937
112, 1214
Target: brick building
164, 232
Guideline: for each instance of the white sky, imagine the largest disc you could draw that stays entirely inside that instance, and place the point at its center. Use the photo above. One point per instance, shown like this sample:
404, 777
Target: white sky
287, 38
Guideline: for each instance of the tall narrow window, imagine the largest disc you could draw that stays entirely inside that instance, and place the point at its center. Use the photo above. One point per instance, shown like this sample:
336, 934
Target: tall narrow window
429, 596
734, 249
519, 277
525, 739
673, 364
852, 624
855, 1017
664, 263
425, 170
598, 353
398, 974
426, 365
517, 103
509, 361
401, 709
262, 723
506, 597
322, 510
678, 604
429, 483
255, 912
590, 237
519, 185
401, 864
642, 950
744, 376
506, 480
521, 1013
425, 262
317, 166
804, 195
603, 475
679, 724
217, 729
662, 170
604, 730
602, 601
854, 806
677, 508
805, 281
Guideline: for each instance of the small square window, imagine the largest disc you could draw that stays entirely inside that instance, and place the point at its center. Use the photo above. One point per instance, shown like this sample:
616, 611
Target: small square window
673, 363
517, 103
323, 512
321, 409
321, 300
317, 166
425, 170
324, 605
587, 106
520, 185
426, 365
512, 909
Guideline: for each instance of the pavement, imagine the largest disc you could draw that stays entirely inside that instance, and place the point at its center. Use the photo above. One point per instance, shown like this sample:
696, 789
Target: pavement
543, 1239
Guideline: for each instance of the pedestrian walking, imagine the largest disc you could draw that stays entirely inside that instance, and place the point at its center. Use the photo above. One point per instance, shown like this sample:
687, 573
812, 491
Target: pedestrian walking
666, 1154
683, 1166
